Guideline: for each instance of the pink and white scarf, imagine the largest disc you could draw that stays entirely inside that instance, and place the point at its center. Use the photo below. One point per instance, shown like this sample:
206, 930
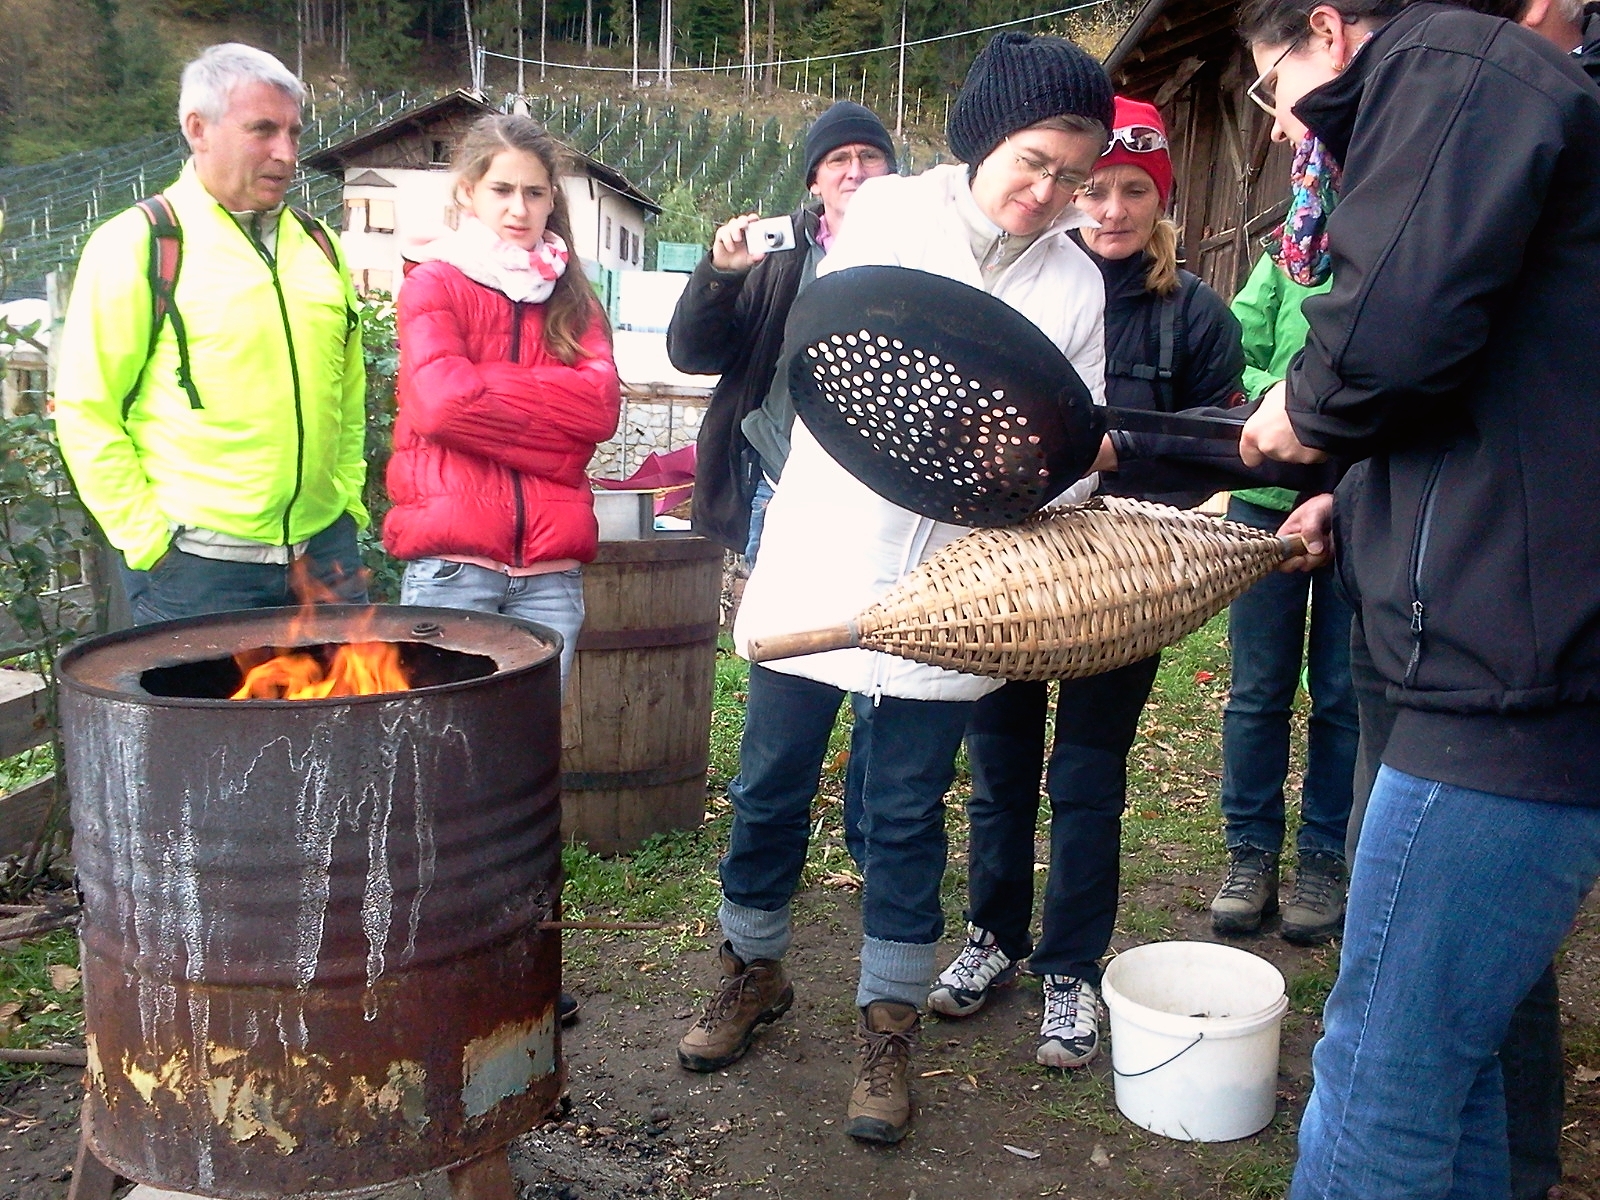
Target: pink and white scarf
474, 250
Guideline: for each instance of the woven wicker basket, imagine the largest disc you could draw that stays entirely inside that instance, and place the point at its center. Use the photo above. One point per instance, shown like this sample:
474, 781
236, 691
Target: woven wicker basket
1069, 593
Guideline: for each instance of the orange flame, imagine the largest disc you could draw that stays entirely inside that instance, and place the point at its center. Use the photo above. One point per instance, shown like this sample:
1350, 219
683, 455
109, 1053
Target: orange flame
356, 668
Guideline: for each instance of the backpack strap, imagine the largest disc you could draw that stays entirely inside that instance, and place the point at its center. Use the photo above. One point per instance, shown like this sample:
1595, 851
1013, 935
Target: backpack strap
318, 233
166, 260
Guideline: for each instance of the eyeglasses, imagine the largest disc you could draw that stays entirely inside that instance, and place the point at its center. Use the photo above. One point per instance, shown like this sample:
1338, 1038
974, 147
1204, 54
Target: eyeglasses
1141, 139
868, 156
1071, 180
1261, 92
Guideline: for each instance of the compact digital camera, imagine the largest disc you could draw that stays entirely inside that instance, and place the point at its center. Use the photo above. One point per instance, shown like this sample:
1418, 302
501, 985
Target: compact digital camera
769, 234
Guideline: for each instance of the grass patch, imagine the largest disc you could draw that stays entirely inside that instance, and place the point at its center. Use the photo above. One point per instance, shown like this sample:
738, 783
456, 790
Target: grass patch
34, 1012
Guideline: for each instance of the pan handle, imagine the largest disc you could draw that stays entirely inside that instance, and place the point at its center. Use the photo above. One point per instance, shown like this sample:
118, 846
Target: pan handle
813, 641
1206, 425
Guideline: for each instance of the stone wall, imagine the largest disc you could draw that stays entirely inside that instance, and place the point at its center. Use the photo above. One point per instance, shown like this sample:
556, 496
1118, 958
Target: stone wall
649, 424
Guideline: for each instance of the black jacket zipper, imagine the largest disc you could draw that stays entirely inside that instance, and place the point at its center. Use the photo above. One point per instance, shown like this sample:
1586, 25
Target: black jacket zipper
519, 528
1419, 553
294, 376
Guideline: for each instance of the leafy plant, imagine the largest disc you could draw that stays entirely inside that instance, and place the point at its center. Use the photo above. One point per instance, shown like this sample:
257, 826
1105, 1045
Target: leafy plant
381, 350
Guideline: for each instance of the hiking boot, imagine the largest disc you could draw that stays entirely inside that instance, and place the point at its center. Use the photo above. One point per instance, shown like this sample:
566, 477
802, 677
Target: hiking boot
964, 986
880, 1102
749, 996
1249, 893
1069, 1035
1315, 912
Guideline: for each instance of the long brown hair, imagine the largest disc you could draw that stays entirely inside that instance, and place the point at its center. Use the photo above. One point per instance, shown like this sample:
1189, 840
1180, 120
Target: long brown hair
572, 306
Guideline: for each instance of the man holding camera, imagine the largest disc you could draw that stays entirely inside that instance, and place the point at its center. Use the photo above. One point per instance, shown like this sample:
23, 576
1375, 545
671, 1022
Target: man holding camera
729, 322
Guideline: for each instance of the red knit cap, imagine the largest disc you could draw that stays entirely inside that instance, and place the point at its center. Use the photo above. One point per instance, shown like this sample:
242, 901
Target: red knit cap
1157, 163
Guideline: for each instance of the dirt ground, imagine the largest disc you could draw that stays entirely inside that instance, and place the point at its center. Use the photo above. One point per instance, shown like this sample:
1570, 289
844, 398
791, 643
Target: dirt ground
989, 1121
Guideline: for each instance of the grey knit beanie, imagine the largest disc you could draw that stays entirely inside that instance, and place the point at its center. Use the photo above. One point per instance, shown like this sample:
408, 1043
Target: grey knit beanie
1018, 80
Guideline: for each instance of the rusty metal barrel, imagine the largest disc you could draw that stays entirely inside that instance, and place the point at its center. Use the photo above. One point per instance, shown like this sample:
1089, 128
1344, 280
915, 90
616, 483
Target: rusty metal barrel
312, 959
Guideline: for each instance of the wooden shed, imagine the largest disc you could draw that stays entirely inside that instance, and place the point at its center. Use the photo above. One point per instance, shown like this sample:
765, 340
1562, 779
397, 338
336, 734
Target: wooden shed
1231, 181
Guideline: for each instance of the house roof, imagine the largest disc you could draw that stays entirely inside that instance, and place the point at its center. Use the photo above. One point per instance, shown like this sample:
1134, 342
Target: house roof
1163, 35
332, 159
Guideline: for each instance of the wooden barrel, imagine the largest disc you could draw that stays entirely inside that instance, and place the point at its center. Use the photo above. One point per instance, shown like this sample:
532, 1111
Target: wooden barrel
637, 738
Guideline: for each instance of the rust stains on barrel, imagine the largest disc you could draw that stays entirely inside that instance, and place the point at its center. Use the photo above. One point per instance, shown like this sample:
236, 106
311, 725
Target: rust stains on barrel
311, 953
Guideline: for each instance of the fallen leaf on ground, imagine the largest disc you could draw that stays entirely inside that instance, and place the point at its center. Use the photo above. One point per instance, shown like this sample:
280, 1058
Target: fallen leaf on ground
1020, 1152
1582, 1074
841, 879
721, 1127
1203, 676
64, 978
948, 1071
1098, 1157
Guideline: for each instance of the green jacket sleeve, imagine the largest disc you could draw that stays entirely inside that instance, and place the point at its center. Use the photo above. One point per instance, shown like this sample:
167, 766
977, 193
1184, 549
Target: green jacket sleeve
104, 345
1256, 307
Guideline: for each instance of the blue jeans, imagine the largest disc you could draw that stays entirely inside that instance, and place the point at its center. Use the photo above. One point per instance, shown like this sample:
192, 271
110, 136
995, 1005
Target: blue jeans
1458, 901
1531, 1059
758, 519
903, 758
186, 585
554, 599
1087, 782
1266, 632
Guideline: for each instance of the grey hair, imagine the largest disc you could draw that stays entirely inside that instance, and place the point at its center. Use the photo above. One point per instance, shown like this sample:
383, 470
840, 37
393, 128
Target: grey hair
209, 80
1572, 10
1075, 123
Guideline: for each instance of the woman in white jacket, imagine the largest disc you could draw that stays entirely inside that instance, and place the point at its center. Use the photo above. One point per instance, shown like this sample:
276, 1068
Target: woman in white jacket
1031, 119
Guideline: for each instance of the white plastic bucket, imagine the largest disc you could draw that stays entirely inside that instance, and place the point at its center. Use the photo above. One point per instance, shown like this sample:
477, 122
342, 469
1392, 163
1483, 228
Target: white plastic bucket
1194, 1038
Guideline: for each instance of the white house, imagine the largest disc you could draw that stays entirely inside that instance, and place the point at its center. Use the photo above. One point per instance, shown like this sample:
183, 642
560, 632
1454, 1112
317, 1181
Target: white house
397, 192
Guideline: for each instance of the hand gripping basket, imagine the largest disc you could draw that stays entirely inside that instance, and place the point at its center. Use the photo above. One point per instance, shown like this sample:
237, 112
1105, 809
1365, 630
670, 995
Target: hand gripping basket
1068, 593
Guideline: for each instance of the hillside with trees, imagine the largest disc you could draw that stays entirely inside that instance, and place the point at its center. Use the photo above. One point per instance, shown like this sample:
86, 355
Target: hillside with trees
80, 74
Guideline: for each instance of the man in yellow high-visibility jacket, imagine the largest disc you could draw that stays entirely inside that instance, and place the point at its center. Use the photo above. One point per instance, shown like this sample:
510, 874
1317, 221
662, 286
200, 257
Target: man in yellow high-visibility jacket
227, 448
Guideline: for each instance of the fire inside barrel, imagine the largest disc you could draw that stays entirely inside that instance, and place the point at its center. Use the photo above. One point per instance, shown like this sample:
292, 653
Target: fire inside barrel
311, 953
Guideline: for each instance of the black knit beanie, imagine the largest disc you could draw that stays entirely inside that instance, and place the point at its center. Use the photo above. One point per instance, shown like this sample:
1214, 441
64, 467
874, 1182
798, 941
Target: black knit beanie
1018, 80
844, 124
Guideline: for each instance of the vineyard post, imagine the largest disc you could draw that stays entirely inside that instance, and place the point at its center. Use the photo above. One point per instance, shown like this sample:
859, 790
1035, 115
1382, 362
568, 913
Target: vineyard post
900, 102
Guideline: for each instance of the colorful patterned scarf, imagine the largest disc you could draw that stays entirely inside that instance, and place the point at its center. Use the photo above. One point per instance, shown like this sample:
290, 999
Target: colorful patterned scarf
1314, 191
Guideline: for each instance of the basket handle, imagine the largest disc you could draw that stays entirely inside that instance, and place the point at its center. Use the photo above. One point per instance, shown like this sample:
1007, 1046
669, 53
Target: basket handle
1292, 546
813, 641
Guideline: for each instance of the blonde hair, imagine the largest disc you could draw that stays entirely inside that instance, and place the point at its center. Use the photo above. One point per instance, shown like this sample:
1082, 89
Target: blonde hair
572, 306
1162, 277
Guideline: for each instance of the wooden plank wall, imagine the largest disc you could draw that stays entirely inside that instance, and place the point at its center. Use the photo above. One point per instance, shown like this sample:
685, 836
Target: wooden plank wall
1232, 180
24, 724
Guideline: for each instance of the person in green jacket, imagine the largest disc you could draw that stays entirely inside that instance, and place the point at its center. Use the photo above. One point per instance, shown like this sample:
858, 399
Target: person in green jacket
1266, 635
227, 448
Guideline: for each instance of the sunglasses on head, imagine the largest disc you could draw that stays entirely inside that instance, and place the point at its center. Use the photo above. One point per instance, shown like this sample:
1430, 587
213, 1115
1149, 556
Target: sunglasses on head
1141, 139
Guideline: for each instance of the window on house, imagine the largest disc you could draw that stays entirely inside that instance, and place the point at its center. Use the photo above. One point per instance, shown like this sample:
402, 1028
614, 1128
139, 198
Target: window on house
30, 392
636, 240
380, 216
608, 233
355, 215
374, 280
439, 152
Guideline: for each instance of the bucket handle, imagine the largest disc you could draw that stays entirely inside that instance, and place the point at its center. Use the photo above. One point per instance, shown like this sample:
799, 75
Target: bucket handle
1198, 1038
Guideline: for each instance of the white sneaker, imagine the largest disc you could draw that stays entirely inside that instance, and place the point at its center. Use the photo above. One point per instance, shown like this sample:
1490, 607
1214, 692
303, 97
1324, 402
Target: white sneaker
964, 986
1069, 1035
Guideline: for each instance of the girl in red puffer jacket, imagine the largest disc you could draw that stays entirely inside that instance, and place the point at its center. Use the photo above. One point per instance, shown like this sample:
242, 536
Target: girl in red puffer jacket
506, 385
